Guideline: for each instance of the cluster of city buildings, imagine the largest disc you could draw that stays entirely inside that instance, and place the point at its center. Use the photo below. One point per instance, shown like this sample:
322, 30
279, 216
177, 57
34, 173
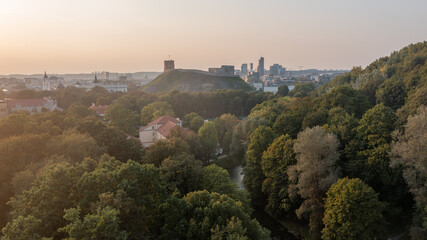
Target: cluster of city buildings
111, 82
50, 83
267, 80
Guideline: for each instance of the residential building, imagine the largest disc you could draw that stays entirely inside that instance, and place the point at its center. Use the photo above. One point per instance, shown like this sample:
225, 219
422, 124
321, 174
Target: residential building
258, 85
33, 105
111, 86
272, 89
99, 109
224, 70
157, 129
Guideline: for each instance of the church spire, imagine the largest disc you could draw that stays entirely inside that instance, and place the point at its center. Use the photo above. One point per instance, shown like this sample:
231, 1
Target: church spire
96, 79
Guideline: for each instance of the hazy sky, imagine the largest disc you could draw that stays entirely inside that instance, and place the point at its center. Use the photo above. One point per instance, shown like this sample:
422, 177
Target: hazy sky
64, 36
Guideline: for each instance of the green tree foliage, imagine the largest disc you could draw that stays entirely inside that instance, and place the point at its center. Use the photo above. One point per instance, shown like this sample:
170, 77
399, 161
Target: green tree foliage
214, 104
51, 193
186, 121
351, 100
204, 215
410, 152
23, 94
217, 179
225, 125
233, 230
18, 152
400, 75
275, 162
291, 115
196, 123
129, 101
78, 111
112, 198
302, 90
121, 117
288, 123
112, 140
74, 145
208, 138
43, 123
392, 94
369, 83
352, 212
104, 224
282, 91
163, 149
343, 80
190, 137
69, 95
415, 100
155, 110
259, 141
241, 133
136, 190
370, 160
14, 229
104, 100
317, 118
374, 135
376, 126
314, 172
182, 172
342, 124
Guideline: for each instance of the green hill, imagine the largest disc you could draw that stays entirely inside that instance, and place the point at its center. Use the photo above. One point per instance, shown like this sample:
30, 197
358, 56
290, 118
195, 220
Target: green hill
193, 81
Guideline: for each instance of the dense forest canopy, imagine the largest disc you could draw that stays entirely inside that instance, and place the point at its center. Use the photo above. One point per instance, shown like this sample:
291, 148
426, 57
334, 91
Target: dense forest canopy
345, 160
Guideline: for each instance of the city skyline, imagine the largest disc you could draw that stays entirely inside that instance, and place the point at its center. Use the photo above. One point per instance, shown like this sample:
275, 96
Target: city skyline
134, 36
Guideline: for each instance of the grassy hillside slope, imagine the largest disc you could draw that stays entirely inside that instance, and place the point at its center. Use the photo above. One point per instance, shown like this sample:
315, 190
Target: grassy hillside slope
193, 81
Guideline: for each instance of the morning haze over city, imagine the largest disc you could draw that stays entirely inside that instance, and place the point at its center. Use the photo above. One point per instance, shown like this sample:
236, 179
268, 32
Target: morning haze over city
238, 119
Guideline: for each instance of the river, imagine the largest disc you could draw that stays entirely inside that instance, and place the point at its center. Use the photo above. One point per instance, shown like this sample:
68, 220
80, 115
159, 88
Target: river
278, 231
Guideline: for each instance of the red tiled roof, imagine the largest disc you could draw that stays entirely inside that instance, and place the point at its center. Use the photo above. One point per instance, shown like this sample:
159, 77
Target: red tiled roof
100, 109
11, 103
166, 128
162, 120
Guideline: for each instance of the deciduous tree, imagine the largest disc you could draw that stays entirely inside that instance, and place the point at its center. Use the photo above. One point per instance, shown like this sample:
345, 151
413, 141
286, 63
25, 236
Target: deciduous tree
314, 173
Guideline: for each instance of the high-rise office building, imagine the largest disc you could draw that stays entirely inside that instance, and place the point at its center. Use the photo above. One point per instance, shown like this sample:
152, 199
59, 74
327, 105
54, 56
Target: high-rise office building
252, 67
244, 69
261, 67
277, 70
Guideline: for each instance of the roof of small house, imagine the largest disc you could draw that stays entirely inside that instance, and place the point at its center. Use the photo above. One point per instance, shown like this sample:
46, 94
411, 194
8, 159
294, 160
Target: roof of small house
99, 109
166, 129
161, 120
31, 102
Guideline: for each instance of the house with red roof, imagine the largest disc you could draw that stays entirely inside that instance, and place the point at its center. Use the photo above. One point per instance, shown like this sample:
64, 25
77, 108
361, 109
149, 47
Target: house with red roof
99, 109
157, 129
